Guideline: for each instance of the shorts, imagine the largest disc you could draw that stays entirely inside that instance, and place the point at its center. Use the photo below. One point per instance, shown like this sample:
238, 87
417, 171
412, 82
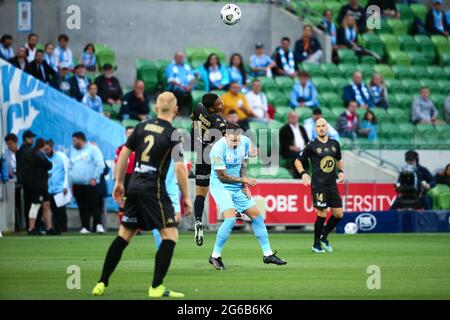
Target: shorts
226, 200
202, 174
39, 195
326, 198
147, 211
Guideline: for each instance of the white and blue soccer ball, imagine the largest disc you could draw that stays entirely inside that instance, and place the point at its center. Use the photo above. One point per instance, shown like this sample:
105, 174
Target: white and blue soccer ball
351, 228
230, 14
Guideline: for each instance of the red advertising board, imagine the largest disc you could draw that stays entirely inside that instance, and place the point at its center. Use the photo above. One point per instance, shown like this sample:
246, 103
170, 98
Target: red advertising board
289, 202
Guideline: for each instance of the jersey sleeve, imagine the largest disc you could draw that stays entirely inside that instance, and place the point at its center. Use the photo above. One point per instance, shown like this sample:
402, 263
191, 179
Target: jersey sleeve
305, 154
132, 140
217, 157
199, 109
338, 151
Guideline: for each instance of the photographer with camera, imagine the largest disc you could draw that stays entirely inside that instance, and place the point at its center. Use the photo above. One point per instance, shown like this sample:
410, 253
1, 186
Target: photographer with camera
413, 184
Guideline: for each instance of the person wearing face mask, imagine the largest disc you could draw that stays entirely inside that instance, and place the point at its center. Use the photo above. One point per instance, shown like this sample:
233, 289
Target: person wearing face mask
108, 85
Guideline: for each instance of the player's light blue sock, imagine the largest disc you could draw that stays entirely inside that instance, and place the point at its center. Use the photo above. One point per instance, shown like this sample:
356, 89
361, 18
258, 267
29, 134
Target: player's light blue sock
260, 230
157, 238
222, 236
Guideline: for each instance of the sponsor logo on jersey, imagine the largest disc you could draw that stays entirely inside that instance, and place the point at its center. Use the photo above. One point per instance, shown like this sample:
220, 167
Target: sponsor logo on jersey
327, 164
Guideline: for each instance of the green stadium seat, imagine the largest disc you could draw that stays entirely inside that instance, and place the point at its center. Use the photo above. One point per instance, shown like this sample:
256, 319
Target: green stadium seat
313, 69
381, 114
412, 86
284, 83
216, 51
384, 70
368, 60
129, 123
372, 42
182, 123
397, 26
268, 84
444, 59
106, 57
366, 69
257, 125
322, 84
330, 70
347, 56
436, 72
428, 83
346, 69
328, 114
426, 129
337, 111
303, 113
197, 97
407, 43
420, 10
398, 115
441, 42
361, 112
406, 129
418, 58
384, 28
419, 71
334, 6
399, 58
192, 51
394, 85
402, 72
387, 130
275, 124
339, 83
405, 11
331, 98
447, 71
404, 100
390, 42
443, 131
426, 46
317, 7
149, 74
281, 113
444, 86
277, 98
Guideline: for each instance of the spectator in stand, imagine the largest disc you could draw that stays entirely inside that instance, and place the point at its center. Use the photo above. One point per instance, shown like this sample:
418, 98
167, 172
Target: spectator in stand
79, 83
214, 75
423, 110
58, 184
358, 91
260, 63
63, 54
181, 81
348, 123
108, 85
257, 101
293, 139
284, 59
235, 100
368, 128
20, 60
237, 71
358, 12
308, 49
62, 82
232, 117
92, 100
378, 91
447, 110
31, 44
135, 103
40, 69
6, 50
328, 26
443, 177
304, 93
388, 7
88, 58
85, 168
310, 125
49, 56
10, 154
37, 182
436, 21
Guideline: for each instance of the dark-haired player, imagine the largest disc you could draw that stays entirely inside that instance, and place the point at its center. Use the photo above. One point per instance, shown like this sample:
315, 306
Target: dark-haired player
325, 156
148, 204
209, 126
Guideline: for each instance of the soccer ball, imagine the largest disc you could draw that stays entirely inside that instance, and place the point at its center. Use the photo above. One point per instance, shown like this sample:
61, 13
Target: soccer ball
230, 14
351, 228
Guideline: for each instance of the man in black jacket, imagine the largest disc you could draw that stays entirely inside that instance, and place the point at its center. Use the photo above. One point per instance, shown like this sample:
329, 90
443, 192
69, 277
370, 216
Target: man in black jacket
135, 104
293, 139
23, 156
20, 60
79, 83
40, 69
109, 88
308, 49
436, 20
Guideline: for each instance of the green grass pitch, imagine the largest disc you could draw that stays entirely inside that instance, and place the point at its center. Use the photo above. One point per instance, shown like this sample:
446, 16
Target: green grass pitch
413, 266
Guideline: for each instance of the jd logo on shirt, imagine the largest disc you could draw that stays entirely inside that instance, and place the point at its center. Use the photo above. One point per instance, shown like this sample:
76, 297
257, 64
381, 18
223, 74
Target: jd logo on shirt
327, 164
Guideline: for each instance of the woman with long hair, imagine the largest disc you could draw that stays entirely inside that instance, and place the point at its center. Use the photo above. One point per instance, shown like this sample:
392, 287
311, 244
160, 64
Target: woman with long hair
88, 58
214, 75
368, 127
237, 71
378, 91
443, 177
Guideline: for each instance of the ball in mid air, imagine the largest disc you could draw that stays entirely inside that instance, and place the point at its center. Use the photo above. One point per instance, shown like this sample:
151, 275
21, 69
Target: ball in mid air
230, 14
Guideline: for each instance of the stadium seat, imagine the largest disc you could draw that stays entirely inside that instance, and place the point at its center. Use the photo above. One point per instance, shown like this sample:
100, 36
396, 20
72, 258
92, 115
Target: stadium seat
328, 115
394, 85
366, 69
404, 100
268, 84
405, 11
322, 84
197, 97
149, 74
106, 57
428, 83
384, 28
426, 46
406, 129
338, 83
331, 99
384, 70
419, 71
426, 130
399, 58
330, 70
418, 58
444, 59
284, 83
277, 98
447, 71
420, 10
372, 42
402, 72
407, 43
337, 111
368, 60
441, 42
347, 56
303, 113
398, 115
443, 86
346, 69
390, 42
216, 51
443, 131
317, 7
281, 113
334, 6
129, 123
182, 123
313, 69
257, 125
436, 72
397, 26
382, 115
388, 130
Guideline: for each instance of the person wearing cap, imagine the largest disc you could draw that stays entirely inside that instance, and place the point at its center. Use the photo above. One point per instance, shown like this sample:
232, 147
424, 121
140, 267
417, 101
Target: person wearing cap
436, 20
424, 179
40, 69
79, 83
308, 49
304, 93
260, 63
310, 124
108, 85
63, 54
20, 59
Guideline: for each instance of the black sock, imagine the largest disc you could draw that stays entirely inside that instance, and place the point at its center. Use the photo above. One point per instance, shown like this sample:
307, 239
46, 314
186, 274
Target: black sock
331, 224
318, 228
112, 258
162, 261
199, 204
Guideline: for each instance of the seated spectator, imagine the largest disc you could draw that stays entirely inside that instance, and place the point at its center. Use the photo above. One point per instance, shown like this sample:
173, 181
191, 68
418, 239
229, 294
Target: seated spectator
304, 93
308, 49
423, 109
6, 50
63, 80
237, 71
436, 20
40, 69
92, 100
329, 28
358, 91
62, 54
79, 83
214, 75
88, 58
293, 139
257, 101
20, 59
356, 11
368, 126
109, 89
284, 59
388, 7
260, 63
447, 110
135, 103
31, 44
49, 56
378, 91
347, 37
310, 125
348, 123
181, 81
443, 177
233, 99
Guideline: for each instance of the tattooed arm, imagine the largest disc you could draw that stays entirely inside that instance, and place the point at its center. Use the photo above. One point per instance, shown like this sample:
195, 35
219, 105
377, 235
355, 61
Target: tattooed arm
226, 178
